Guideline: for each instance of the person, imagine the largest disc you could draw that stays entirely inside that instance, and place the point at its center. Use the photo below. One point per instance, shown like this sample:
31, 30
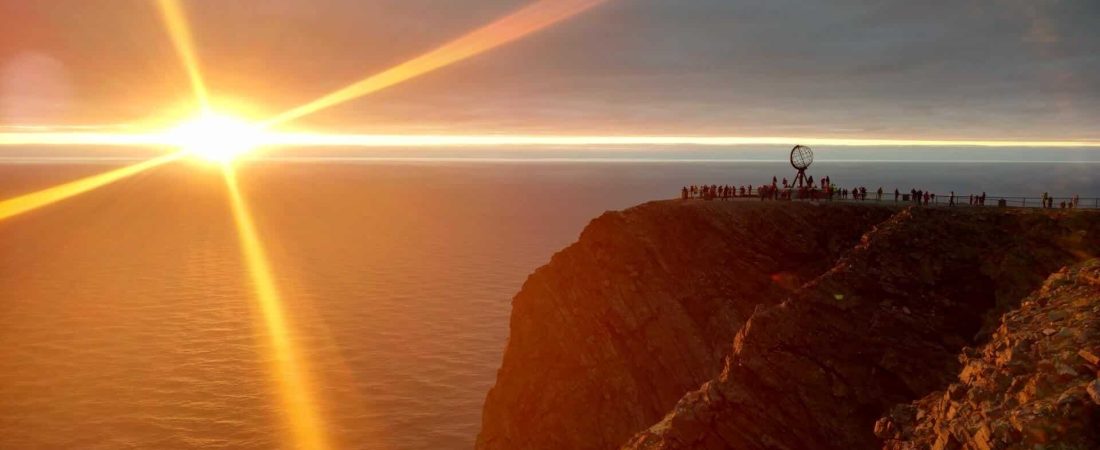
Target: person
897, 194
951, 200
927, 196
684, 193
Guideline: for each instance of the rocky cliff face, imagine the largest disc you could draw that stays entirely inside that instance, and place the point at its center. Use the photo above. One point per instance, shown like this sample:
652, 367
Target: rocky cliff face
803, 324
618, 326
1034, 385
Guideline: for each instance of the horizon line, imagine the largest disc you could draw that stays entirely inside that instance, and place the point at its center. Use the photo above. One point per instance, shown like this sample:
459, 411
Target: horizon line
278, 139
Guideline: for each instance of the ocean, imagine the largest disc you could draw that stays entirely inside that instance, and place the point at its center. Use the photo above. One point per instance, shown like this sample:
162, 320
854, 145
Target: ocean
127, 318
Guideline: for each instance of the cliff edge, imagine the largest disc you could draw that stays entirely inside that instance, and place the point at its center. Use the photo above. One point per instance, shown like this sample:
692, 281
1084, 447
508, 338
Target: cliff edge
760, 325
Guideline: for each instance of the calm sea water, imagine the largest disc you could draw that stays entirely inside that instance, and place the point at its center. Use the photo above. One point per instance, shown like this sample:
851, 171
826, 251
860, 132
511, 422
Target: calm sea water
127, 320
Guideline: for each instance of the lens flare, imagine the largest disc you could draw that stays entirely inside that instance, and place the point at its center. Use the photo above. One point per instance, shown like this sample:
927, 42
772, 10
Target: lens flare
176, 22
289, 371
216, 137
48, 196
530, 19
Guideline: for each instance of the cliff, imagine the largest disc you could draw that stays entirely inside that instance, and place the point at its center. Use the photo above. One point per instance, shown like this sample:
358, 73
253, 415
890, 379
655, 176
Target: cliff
618, 326
1034, 384
760, 325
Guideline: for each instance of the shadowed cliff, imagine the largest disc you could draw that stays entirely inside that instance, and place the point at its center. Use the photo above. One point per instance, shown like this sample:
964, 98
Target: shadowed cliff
618, 326
628, 336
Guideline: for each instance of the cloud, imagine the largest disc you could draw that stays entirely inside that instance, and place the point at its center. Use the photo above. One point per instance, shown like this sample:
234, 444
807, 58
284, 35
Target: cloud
1021, 69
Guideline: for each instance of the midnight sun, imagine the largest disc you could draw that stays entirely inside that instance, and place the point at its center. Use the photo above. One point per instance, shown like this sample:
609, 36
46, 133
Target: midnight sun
216, 137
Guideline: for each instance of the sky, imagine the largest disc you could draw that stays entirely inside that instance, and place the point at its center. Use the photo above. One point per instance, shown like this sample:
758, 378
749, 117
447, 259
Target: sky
935, 69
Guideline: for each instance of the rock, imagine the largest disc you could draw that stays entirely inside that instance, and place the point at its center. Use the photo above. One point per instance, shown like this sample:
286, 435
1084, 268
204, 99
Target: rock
783, 356
1037, 403
945, 441
1094, 391
956, 392
884, 429
587, 365
983, 439
1089, 357
809, 359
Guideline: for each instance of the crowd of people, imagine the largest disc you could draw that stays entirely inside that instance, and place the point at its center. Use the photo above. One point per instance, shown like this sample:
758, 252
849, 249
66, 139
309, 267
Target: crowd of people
922, 197
1071, 203
767, 191
825, 189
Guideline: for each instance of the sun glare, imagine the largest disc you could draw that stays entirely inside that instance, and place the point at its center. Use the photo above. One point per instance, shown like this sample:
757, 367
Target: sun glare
216, 137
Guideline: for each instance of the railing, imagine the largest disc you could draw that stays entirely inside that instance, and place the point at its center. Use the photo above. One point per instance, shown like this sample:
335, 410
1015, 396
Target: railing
991, 201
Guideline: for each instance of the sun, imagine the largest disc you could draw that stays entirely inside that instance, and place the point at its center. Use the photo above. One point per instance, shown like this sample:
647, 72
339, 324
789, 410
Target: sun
216, 137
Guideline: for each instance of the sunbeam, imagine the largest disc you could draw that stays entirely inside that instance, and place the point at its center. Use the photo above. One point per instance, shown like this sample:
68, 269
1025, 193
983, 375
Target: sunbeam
289, 371
35, 200
176, 22
530, 19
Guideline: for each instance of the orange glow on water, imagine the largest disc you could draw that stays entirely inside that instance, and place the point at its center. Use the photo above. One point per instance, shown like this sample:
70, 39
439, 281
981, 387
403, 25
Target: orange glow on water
289, 372
49, 196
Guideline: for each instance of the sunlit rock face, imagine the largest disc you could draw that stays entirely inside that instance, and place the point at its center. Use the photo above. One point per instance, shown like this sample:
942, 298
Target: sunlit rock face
760, 325
1033, 385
